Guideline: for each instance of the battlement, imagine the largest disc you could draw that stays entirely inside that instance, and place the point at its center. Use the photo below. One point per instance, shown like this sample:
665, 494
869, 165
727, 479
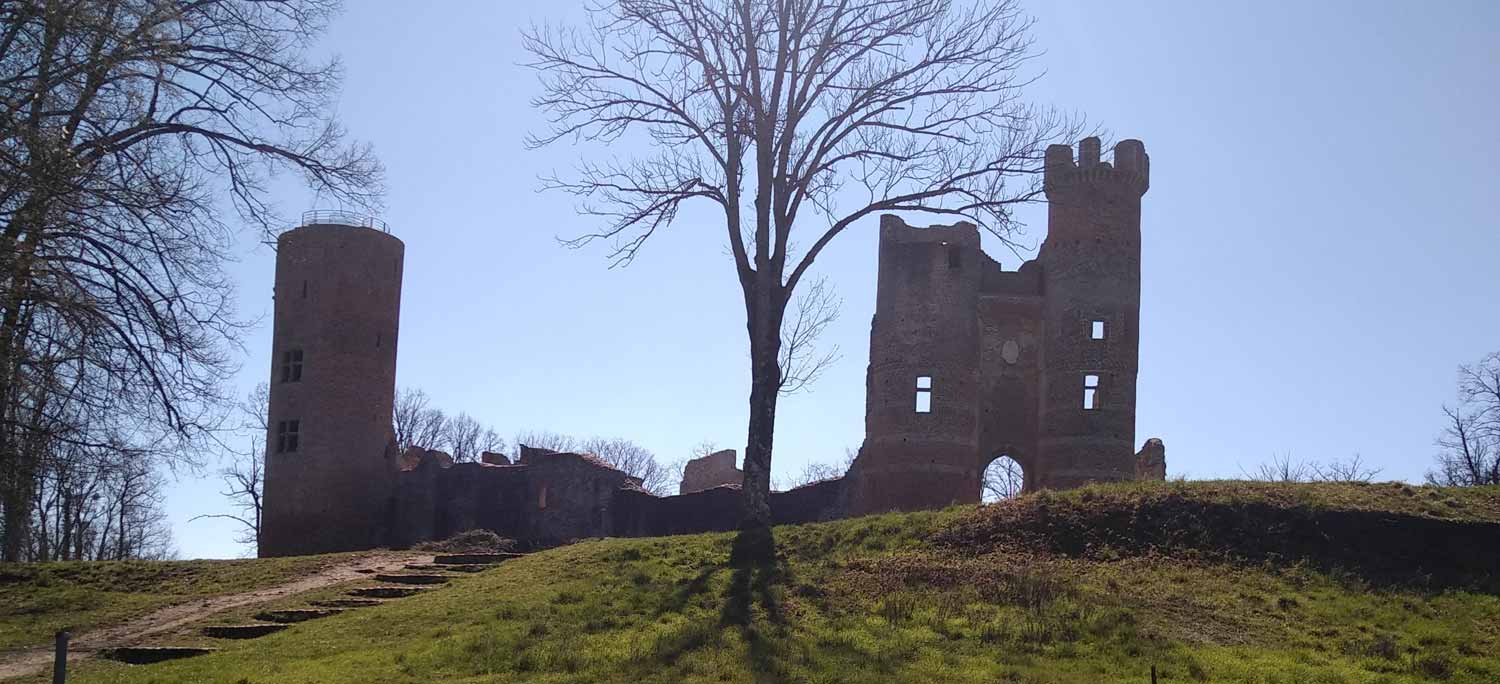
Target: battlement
1131, 168
893, 230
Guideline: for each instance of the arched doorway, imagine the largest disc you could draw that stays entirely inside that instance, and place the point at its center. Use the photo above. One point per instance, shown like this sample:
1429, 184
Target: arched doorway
1003, 479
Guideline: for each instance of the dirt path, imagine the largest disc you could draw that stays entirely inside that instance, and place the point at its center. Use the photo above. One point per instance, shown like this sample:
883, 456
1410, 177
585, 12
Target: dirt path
22, 662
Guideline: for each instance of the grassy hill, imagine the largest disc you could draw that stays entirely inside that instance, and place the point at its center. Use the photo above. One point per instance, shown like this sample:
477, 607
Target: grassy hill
1208, 582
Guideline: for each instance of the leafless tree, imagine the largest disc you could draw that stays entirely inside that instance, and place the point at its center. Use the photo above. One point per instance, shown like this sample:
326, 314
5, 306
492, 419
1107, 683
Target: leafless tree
800, 361
815, 471
415, 423
791, 116
1003, 479
1283, 468
244, 477
243, 481
1479, 390
632, 459
541, 439
126, 128
1352, 469
1467, 455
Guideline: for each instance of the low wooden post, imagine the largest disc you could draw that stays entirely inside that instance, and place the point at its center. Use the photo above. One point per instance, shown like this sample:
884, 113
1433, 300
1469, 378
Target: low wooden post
60, 659
1153, 674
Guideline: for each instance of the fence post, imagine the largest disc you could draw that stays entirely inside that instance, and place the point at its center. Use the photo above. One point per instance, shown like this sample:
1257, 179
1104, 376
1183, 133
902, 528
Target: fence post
1153, 675
60, 659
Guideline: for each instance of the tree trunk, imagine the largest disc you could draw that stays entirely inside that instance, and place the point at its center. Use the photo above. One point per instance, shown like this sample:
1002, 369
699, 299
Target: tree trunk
765, 310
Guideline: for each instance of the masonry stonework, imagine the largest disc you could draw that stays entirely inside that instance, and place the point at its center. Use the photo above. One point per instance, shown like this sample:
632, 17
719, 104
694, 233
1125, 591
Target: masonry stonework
328, 467
968, 362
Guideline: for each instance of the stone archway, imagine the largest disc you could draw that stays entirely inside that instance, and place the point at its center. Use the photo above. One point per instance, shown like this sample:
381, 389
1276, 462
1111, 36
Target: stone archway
1002, 478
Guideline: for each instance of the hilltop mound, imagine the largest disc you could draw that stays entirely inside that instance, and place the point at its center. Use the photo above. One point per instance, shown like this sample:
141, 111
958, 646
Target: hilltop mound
1386, 533
1097, 585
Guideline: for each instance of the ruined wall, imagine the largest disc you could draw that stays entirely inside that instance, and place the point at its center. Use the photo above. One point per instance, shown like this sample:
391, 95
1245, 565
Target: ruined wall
713, 470
328, 472
1151, 461
924, 347
1038, 364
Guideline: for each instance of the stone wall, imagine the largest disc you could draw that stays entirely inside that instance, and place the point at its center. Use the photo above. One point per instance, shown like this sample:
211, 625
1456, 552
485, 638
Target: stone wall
713, 470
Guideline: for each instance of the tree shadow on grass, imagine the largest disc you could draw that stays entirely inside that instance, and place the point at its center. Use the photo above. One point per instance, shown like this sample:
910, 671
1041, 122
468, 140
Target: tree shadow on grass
752, 605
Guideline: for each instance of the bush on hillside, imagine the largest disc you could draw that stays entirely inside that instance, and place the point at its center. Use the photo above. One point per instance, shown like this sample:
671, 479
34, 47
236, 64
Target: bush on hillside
471, 541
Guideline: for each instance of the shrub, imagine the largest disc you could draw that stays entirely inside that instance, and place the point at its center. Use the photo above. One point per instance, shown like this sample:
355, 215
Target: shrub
471, 541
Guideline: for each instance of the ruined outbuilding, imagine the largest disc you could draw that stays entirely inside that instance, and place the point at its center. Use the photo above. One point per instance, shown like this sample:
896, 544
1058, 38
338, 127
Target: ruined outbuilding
968, 362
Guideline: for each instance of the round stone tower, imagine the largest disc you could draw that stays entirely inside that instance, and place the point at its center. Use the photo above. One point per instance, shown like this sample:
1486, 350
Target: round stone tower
328, 474
1091, 282
922, 408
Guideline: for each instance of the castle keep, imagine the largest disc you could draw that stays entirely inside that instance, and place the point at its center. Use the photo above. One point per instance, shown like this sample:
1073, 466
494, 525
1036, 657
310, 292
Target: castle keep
968, 362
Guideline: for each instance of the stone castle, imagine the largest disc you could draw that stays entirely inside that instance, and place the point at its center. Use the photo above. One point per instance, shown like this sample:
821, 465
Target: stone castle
968, 363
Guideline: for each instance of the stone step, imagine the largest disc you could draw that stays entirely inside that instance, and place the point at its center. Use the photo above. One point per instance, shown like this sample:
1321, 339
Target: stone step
348, 603
384, 592
474, 558
145, 655
412, 579
433, 567
287, 617
251, 631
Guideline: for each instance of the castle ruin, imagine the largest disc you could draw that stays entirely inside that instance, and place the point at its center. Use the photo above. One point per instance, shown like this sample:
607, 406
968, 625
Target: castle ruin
968, 362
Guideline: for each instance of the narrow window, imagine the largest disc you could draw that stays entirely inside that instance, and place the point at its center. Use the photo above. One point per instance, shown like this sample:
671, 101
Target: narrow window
291, 365
377, 340
1097, 330
1090, 392
541, 498
955, 257
924, 394
287, 436
304, 289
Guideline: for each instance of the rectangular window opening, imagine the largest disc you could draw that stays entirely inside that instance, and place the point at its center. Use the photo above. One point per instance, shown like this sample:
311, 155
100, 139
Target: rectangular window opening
287, 436
955, 257
1088, 399
1090, 392
291, 365
1097, 330
924, 394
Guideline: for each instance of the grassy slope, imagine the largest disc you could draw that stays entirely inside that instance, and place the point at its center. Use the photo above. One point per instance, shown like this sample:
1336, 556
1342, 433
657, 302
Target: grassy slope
37, 600
876, 600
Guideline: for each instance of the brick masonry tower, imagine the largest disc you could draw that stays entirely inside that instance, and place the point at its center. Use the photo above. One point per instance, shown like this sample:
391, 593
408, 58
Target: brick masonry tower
922, 385
328, 470
1091, 285
970, 362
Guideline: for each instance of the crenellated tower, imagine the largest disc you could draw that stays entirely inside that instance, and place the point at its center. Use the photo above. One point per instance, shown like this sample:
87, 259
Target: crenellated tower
328, 467
1091, 287
922, 385
970, 362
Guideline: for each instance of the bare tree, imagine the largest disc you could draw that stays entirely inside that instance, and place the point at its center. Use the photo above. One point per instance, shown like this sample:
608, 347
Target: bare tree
801, 116
1003, 479
633, 460
800, 362
1352, 469
244, 477
541, 439
415, 423
243, 483
1282, 468
462, 437
815, 471
126, 128
1479, 390
1467, 455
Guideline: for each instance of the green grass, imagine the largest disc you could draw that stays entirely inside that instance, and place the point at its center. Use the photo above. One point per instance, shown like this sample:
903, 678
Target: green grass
38, 599
900, 598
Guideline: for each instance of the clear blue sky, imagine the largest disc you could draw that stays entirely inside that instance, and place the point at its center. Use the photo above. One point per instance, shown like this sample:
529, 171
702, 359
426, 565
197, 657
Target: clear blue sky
1320, 238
